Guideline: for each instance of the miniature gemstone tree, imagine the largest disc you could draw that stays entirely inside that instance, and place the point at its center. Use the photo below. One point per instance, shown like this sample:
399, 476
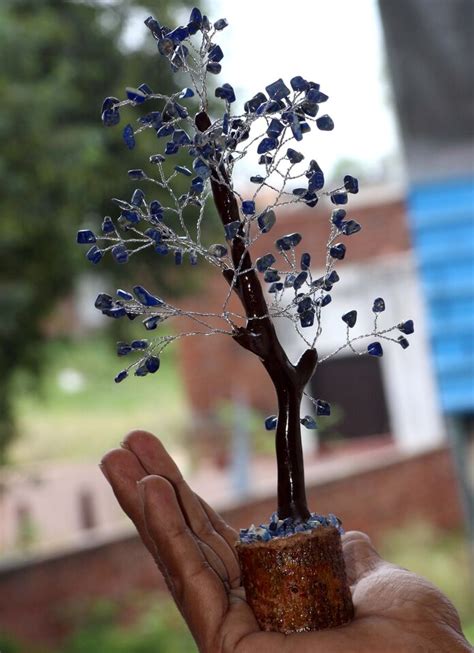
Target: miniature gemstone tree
270, 123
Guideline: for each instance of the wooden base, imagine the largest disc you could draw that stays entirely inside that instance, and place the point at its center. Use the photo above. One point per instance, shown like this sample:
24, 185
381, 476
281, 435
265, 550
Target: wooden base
297, 583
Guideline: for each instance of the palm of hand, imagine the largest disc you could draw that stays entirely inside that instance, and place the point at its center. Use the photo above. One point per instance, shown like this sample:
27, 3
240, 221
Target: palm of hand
395, 610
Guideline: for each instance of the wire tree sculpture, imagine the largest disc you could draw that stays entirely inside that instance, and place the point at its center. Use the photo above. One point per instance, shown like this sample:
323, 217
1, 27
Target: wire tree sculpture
278, 285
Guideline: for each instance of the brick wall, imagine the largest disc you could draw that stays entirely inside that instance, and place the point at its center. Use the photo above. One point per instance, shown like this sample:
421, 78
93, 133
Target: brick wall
36, 597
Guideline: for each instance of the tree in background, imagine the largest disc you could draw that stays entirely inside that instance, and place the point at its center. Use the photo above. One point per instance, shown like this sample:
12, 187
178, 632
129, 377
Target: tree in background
57, 163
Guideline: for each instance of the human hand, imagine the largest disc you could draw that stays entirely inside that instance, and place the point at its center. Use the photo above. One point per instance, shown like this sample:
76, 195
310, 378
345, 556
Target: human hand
395, 610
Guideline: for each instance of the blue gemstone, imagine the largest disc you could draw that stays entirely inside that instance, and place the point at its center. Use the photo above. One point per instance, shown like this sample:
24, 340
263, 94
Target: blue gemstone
196, 17
307, 319
225, 92
180, 137
130, 216
406, 327
379, 305
193, 257
186, 93
294, 156
144, 88
305, 127
156, 210
141, 370
351, 184
123, 349
311, 199
300, 192
296, 130
325, 123
107, 225
135, 95
375, 349
267, 144
166, 130
264, 262
162, 249
128, 136
275, 287
323, 408
310, 109
139, 344
151, 322
289, 280
184, 171
350, 227
277, 90
350, 318
324, 301
201, 168
337, 217
275, 128
110, 117
86, 237
248, 207
157, 158
146, 298
305, 261
309, 423
338, 251
265, 160
121, 376
298, 83
136, 174
179, 34
94, 254
178, 257
315, 96
300, 280
271, 275
304, 305
109, 103
266, 221
123, 294
103, 301
215, 54
316, 181
152, 364
287, 242
120, 253
138, 197
217, 250
231, 230
115, 312
252, 105
197, 185
220, 24
154, 26
257, 179
171, 148
153, 118
403, 342
339, 198
271, 422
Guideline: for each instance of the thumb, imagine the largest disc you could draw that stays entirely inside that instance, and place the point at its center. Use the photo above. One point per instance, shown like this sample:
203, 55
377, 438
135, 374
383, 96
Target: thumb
360, 556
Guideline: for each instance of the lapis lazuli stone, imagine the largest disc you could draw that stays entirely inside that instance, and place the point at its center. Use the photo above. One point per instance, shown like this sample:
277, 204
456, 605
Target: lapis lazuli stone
145, 297
289, 280
178, 257
311, 199
94, 254
257, 179
86, 237
294, 156
350, 227
217, 250
123, 294
300, 192
403, 342
193, 257
215, 54
287, 242
298, 83
315, 96
337, 217
197, 185
196, 17
165, 130
141, 370
323, 408
152, 364
310, 109
171, 148
139, 344
267, 144
325, 123
103, 301
266, 221
350, 318
123, 348
300, 279
136, 174
135, 95
151, 322
375, 349
338, 251
339, 198
154, 234
157, 158
316, 181
138, 197
305, 261
275, 128
277, 90
179, 34
406, 327
379, 305
351, 184
110, 117
252, 105
225, 92
184, 171
221, 24
156, 210
304, 304
131, 216
265, 159
107, 225
248, 207
154, 26
186, 93
121, 376
180, 137
120, 253
275, 287
307, 319
324, 301
332, 277
128, 136
232, 229
264, 262
308, 422
271, 275
162, 249
109, 103
295, 126
201, 168
271, 422
115, 312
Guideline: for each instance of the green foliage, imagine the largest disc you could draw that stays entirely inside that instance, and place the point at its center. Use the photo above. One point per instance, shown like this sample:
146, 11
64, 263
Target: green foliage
58, 165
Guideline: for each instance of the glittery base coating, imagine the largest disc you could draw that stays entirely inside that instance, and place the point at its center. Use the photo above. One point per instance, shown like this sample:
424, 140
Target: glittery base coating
297, 583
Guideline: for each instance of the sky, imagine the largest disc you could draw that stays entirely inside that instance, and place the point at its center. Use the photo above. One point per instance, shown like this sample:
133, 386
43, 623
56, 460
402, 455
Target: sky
337, 43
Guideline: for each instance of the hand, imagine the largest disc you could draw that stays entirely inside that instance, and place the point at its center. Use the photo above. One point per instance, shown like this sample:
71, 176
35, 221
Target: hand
395, 610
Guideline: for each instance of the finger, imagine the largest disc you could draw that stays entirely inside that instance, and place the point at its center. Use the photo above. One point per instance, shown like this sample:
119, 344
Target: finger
230, 536
155, 459
199, 592
360, 556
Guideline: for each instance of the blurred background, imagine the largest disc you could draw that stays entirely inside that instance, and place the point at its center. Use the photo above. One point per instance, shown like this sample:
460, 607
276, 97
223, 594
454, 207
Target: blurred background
395, 458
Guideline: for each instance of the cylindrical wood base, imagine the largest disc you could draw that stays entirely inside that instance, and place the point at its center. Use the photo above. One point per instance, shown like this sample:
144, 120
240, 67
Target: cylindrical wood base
297, 583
